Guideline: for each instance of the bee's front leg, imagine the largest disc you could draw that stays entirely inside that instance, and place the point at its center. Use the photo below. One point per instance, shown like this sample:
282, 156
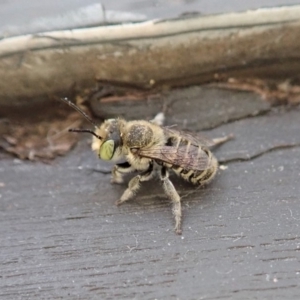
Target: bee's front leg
119, 170
134, 184
173, 195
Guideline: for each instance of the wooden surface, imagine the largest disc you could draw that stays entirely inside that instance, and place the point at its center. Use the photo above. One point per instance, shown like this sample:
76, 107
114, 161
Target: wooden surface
155, 54
61, 237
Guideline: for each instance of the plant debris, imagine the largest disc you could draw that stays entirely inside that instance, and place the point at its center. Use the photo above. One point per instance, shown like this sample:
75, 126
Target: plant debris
39, 133
283, 92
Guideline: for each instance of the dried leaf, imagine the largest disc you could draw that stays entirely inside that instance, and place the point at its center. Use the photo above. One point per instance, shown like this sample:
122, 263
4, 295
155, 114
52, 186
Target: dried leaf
42, 135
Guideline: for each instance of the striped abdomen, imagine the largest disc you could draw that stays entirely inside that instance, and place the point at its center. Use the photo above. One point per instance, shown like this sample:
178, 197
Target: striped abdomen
198, 172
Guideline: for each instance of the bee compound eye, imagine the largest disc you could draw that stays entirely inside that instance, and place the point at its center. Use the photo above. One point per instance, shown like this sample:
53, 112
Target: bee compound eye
107, 149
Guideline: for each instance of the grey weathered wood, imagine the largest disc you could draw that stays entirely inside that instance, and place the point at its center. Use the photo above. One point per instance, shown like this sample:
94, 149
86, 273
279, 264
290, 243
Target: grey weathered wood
175, 52
192, 108
61, 237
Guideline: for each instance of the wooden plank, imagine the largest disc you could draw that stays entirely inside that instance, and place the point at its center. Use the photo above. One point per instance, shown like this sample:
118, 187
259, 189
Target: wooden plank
156, 53
62, 237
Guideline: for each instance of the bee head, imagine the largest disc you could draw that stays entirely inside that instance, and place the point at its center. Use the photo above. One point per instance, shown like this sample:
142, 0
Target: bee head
108, 147
106, 138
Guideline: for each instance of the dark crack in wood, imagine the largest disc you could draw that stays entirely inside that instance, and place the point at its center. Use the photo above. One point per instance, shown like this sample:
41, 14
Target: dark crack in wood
257, 155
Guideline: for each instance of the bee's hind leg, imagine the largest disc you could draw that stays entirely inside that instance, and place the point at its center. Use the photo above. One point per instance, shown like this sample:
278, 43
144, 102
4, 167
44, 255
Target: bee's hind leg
134, 184
173, 195
222, 140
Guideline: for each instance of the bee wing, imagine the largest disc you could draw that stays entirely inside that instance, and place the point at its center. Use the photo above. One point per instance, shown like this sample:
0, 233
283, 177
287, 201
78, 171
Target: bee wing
193, 137
189, 158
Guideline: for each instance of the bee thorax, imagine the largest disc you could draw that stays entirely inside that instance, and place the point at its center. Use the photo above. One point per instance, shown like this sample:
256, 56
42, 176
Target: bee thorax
138, 136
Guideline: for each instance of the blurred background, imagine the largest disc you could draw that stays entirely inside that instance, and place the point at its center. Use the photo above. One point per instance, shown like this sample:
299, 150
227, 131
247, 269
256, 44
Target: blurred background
21, 16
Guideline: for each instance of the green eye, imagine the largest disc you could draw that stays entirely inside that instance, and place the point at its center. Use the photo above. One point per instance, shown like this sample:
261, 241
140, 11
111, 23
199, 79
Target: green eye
107, 150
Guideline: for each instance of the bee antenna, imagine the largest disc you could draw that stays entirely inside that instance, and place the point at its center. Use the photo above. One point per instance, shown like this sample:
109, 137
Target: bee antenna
79, 110
85, 130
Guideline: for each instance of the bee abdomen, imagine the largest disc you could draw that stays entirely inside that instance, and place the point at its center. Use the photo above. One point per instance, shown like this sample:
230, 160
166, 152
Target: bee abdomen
194, 176
203, 177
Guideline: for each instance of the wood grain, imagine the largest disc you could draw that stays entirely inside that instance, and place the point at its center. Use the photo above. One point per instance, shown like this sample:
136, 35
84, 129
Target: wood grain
61, 237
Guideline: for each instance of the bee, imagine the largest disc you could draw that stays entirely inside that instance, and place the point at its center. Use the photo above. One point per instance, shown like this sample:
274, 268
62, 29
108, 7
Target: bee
147, 147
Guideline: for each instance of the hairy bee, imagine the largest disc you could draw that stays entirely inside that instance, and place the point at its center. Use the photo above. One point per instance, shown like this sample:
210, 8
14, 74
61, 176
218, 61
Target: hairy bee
146, 146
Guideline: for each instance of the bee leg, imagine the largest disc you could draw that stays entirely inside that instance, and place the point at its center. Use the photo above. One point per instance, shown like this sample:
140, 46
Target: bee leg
119, 170
134, 184
222, 140
173, 195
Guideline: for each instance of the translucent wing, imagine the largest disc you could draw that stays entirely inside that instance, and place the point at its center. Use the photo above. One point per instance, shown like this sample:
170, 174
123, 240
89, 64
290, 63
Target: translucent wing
187, 157
192, 137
